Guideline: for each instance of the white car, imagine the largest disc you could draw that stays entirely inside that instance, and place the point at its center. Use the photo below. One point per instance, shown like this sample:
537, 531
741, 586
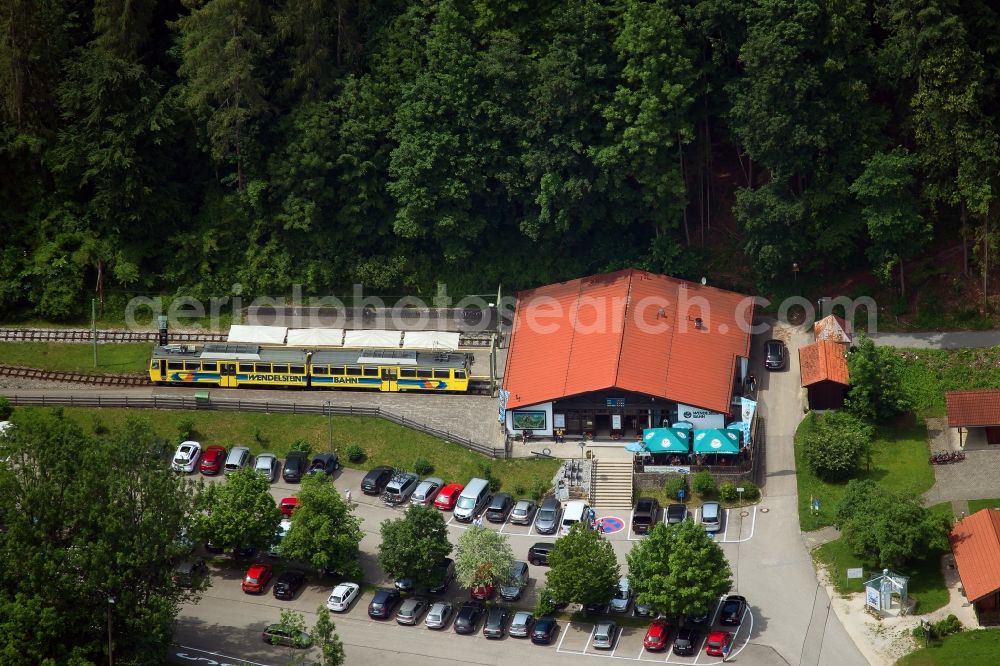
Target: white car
267, 466
186, 458
342, 597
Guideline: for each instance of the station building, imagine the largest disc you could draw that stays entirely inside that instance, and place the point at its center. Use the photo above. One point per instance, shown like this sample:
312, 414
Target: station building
609, 355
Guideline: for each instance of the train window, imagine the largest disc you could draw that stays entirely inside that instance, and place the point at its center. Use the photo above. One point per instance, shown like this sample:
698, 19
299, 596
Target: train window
297, 370
460, 374
246, 367
321, 369
424, 374
353, 372
371, 372
407, 372
175, 365
209, 366
281, 367
336, 370
262, 367
442, 374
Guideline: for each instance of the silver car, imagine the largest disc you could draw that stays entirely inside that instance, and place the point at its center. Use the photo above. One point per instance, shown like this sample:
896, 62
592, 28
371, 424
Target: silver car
623, 597
438, 615
547, 520
426, 491
267, 466
410, 610
520, 624
711, 517
604, 635
522, 513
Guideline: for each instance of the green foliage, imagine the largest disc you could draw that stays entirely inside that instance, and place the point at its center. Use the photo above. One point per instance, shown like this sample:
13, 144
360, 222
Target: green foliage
888, 529
583, 567
325, 532
482, 557
486, 472
356, 454
538, 489
727, 491
836, 444
544, 603
61, 551
877, 390
6, 409
947, 626
703, 483
239, 512
411, 546
292, 620
678, 569
329, 643
751, 493
422, 466
675, 484
304, 446
185, 428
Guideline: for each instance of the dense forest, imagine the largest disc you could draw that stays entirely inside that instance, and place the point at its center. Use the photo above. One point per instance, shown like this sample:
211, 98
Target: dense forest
184, 146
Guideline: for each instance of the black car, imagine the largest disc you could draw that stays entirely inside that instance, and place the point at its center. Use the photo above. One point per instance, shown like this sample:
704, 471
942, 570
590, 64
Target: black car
375, 480
496, 622
288, 584
676, 513
539, 553
324, 463
544, 631
295, 466
383, 603
732, 610
697, 618
774, 354
645, 515
445, 573
469, 615
686, 641
499, 507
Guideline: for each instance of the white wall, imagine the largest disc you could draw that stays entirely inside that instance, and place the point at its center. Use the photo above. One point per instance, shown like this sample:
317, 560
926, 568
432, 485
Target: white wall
542, 407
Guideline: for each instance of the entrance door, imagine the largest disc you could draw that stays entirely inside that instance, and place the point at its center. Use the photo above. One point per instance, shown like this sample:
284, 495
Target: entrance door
227, 375
389, 379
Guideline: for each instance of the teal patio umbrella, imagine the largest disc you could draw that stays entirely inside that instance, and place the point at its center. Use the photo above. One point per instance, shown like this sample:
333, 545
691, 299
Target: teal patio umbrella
715, 440
665, 440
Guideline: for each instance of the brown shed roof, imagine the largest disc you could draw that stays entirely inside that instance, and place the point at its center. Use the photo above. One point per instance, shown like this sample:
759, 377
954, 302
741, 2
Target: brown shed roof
834, 329
629, 330
975, 541
823, 361
973, 408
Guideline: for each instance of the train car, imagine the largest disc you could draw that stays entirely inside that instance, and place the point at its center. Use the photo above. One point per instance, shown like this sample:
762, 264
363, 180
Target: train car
390, 370
229, 365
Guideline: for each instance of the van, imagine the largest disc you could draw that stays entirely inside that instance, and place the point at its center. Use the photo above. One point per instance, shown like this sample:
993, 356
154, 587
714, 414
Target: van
711, 517
238, 458
575, 512
473, 499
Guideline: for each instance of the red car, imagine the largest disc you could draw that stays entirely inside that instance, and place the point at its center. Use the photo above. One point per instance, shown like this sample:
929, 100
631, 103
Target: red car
288, 506
212, 459
448, 496
256, 578
482, 592
717, 642
656, 636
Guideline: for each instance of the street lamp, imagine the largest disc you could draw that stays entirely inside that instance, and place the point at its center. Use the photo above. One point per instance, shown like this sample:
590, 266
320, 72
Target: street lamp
329, 418
795, 272
111, 659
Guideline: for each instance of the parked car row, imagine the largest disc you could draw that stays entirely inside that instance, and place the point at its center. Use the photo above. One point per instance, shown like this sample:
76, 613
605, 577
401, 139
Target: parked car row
647, 513
214, 460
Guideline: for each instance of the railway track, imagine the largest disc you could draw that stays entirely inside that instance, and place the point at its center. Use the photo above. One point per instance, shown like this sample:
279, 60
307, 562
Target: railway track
17, 372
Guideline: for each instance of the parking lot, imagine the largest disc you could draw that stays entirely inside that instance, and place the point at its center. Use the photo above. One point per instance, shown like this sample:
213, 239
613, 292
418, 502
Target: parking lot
737, 525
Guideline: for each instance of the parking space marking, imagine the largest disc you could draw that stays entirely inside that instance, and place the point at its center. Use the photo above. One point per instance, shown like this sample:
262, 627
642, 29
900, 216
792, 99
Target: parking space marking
213, 662
726, 531
562, 637
589, 639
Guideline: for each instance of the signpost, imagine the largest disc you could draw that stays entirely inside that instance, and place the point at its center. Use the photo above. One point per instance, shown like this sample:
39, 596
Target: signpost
739, 492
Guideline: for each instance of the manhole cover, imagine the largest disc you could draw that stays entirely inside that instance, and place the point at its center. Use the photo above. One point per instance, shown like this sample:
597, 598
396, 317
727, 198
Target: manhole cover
744, 513
764, 510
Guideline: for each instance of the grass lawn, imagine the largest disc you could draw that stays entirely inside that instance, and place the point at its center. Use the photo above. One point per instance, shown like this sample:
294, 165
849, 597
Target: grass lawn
976, 505
926, 583
384, 443
899, 463
112, 359
965, 649
928, 373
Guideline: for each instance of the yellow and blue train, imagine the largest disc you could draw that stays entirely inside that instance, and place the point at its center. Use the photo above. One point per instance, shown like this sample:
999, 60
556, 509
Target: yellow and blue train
230, 365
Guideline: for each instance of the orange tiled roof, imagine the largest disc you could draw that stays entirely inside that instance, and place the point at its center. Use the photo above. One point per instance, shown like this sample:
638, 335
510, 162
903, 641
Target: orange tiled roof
834, 329
975, 540
629, 330
823, 361
973, 408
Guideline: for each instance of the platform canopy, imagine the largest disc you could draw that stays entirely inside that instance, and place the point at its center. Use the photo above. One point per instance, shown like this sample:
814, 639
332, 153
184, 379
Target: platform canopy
316, 337
665, 440
371, 338
444, 340
261, 335
715, 440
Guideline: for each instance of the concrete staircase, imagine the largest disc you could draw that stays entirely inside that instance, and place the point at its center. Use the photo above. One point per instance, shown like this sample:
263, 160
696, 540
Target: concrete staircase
611, 484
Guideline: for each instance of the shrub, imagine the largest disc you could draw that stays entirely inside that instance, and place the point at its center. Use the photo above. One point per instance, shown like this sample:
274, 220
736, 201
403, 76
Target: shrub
544, 604
99, 427
836, 444
185, 428
674, 485
355, 453
259, 437
538, 489
519, 490
751, 493
5, 408
486, 470
303, 446
494, 484
422, 466
703, 483
946, 627
727, 491
919, 633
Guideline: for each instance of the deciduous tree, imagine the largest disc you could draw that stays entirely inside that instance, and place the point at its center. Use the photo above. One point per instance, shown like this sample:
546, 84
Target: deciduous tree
877, 390
836, 444
331, 648
583, 567
239, 512
325, 532
411, 546
482, 557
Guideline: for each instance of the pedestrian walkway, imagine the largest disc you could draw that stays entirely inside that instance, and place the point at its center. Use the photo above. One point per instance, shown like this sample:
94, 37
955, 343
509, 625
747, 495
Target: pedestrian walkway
939, 339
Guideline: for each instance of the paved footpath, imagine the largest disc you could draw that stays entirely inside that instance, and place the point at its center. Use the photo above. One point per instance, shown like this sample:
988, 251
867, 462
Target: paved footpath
940, 339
